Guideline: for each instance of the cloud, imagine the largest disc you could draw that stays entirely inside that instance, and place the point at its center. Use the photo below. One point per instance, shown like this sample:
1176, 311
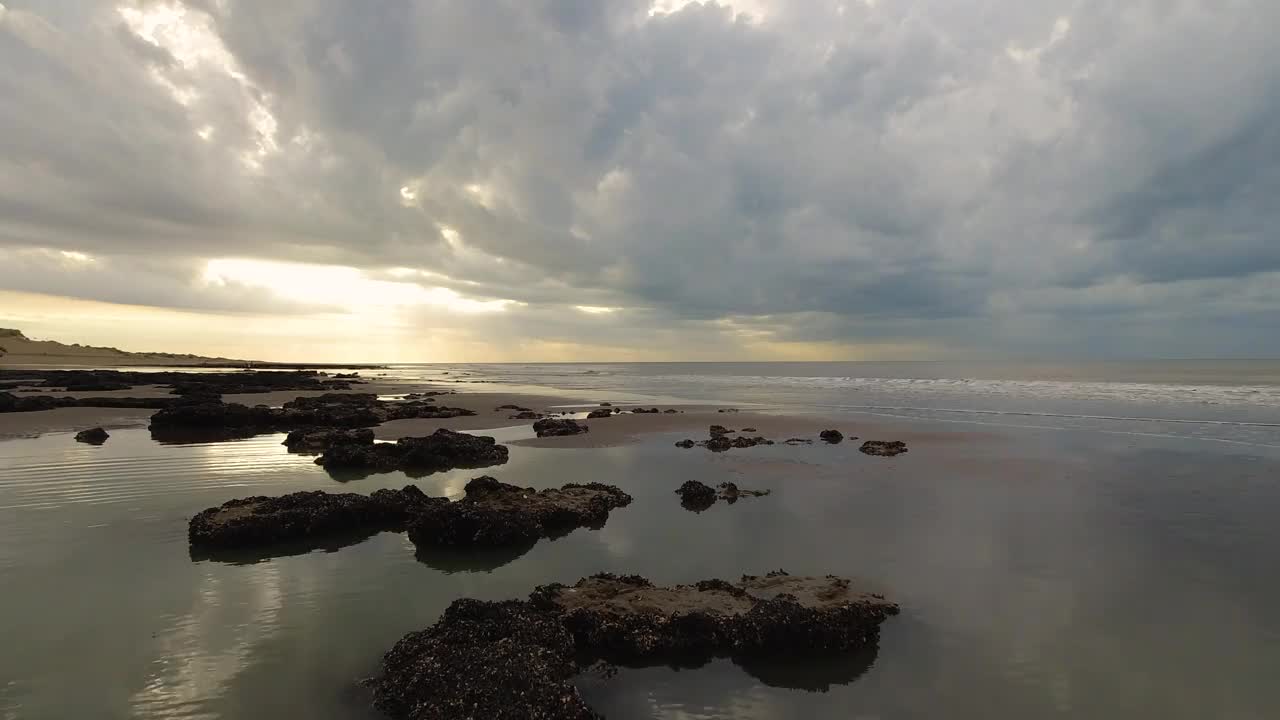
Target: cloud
968, 177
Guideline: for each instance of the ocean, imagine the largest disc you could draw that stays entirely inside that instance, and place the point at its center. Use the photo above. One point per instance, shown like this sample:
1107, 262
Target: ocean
1090, 540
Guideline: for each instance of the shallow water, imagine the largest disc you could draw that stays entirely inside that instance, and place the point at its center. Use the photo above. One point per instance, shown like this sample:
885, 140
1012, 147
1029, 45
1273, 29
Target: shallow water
1041, 574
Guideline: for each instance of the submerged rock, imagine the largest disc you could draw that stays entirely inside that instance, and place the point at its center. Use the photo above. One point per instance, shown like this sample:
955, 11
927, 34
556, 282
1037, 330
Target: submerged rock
495, 513
594, 414
831, 436
799, 441
718, 430
95, 436
442, 450
516, 659
883, 448
686, 444
526, 415
261, 520
557, 427
731, 493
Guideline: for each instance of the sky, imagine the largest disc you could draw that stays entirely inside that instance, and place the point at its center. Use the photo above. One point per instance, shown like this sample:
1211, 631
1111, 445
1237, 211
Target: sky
550, 180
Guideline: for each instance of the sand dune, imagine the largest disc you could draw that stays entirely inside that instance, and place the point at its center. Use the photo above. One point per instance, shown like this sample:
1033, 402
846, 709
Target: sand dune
16, 349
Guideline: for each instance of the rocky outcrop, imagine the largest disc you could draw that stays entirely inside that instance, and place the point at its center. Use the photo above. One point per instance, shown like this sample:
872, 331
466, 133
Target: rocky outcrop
831, 436
718, 430
883, 448
492, 515
596, 414
442, 450
643, 411
495, 514
731, 493
321, 439
686, 444
217, 419
557, 427
258, 521
182, 383
526, 415
516, 659
95, 436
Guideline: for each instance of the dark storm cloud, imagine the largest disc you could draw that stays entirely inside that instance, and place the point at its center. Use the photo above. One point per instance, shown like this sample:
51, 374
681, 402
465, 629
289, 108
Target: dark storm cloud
975, 174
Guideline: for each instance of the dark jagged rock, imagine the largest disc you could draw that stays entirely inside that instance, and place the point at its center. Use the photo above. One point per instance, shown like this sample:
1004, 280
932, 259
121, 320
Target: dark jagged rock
556, 427
718, 430
883, 448
831, 436
743, 441
321, 439
727, 410
495, 513
513, 407
747, 430
595, 414
799, 441
670, 411
442, 450
515, 659
257, 521
642, 411
696, 496
686, 444
95, 436
605, 404
526, 415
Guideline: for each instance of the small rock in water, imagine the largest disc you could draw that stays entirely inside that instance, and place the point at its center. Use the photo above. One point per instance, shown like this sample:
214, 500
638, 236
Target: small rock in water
594, 414
749, 430
799, 441
96, 436
883, 448
686, 444
605, 404
718, 430
831, 436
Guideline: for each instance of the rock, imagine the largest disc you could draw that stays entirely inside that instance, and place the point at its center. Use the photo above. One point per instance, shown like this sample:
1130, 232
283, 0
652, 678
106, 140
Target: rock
346, 376
686, 444
594, 414
743, 441
719, 443
257, 521
883, 448
696, 496
526, 415
727, 410
831, 436
746, 430
495, 513
515, 659
605, 404
718, 430
320, 439
442, 450
556, 427
670, 411
332, 410
731, 493
96, 436
642, 411
517, 408
799, 441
